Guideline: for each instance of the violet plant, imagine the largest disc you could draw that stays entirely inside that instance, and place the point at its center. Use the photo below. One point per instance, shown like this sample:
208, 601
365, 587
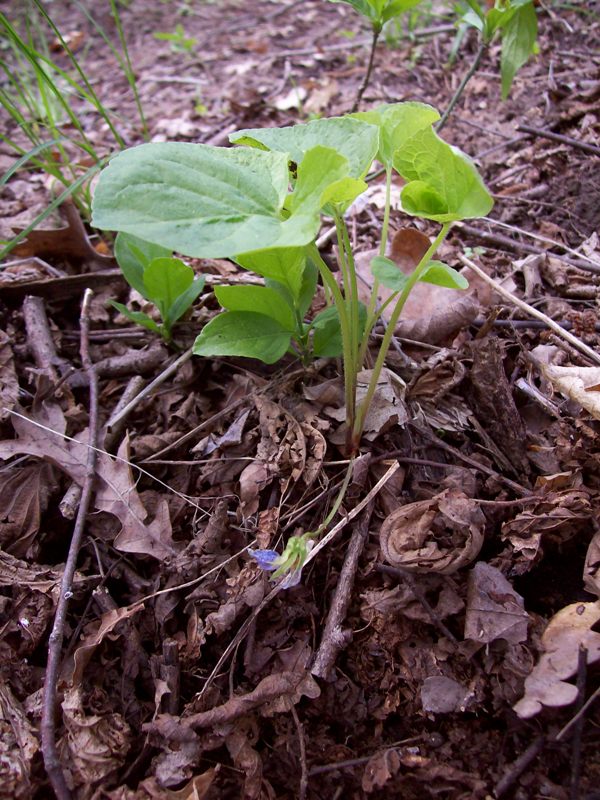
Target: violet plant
262, 204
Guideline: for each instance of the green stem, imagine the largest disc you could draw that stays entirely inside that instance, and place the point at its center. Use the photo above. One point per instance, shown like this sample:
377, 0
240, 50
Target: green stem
457, 94
372, 312
352, 295
387, 338
336, 506
348, 356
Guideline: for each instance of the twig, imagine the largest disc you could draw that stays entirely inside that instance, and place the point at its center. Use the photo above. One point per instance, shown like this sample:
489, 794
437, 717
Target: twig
158, 381
519, 766
533, 312
578, 727
138, 362
362, 88
520, 247
335, 639
545, 239
355, 512
39, 339
558, 137
302, 745
457, 94
47, 726
405, 576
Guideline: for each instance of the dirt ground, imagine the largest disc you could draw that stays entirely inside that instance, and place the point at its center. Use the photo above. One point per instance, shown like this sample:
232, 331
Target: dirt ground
445, 642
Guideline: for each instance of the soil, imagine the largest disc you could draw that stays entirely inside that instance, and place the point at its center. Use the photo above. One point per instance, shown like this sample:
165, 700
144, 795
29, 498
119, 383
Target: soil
453, 672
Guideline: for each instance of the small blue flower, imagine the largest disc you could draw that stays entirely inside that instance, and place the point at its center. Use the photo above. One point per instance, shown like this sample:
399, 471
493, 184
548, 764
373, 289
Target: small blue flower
288, 564
266, 559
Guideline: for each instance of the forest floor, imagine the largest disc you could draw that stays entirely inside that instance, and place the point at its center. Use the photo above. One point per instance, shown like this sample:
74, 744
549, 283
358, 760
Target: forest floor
397, 667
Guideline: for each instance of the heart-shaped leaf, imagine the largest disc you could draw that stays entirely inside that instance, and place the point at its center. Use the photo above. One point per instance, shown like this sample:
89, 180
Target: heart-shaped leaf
397, 122
200, 200
260, 300
243, 333
282, 264
388, 273
133, 256
441, 274
352, 138
442, 182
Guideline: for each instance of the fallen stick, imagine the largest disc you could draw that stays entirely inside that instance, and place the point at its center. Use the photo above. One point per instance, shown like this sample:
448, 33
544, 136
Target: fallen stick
559, 137
533, 312
48, 722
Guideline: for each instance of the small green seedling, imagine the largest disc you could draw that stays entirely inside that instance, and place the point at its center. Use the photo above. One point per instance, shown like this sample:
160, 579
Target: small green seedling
163, 280
180, 41
378, 12
514, 22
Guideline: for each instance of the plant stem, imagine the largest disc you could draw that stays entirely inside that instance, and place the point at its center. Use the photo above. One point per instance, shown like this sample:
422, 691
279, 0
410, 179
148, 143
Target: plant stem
336, 506
347, 354
352, 292
457, 94
371, 310
362, 88
387, 338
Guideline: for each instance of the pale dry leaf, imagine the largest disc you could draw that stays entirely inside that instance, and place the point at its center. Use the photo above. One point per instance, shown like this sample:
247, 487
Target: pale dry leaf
439, 535
9, 385
379, 769
494, 609
94, 747
115, 489
566, 632
581, 384
443, 695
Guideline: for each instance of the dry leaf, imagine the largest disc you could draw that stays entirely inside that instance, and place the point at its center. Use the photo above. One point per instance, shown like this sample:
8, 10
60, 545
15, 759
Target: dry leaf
379, 769
567, 631
23, 497
115, 489
18, 746
438, 535
9, 385
581, 384
442, 695
494, 609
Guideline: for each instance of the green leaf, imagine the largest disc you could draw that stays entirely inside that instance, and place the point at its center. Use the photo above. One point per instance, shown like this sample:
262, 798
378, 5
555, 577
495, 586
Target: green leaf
352, 138
243, 333
441, 274
388, 273
260, 300
137, 316
133, 256
327, 334
185, 300
380, 11
321, 176
165, 279
442, 182
284, 265
397, 122
308, 288
202, 201
518, 44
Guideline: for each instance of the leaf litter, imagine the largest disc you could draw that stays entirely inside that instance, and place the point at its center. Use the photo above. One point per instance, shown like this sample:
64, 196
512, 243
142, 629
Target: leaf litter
489, 530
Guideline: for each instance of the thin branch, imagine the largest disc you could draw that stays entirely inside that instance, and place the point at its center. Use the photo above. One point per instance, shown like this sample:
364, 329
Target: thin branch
335, 638
457, 94
48, 723
533, 312
363, 87
559, 137
302, 745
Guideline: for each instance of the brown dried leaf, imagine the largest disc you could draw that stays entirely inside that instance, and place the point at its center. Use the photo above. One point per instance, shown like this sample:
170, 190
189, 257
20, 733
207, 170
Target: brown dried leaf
115, 489
567, 631
9, 385
379, 769
23, 498
281, 452
94, 635
18, 746
494, 609
439, 535
442, 695
94, 747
